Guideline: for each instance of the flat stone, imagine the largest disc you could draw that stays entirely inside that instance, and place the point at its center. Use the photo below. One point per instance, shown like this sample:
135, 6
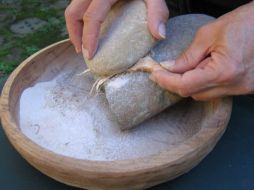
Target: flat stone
6, 18
3, 16
1, 40
15, 54
10, 3
54, 20
27, 26
61, 4
64, 32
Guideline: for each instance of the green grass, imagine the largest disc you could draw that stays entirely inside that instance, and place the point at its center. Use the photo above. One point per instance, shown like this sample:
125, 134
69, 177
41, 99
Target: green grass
8, 66
31, 43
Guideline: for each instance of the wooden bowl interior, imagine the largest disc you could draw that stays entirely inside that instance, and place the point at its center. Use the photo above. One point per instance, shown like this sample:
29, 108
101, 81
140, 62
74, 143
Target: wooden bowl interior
187, 115
207, 121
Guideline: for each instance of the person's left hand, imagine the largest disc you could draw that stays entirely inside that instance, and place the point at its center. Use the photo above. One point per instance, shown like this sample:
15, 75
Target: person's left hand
84, 19
219, 62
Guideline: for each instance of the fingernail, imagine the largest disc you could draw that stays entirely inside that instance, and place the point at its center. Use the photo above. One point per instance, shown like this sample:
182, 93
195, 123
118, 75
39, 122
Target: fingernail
168, 64
86, 54
162, 30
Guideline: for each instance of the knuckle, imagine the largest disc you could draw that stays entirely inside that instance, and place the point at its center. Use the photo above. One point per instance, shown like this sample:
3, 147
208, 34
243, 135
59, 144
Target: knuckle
233, 72
69, 12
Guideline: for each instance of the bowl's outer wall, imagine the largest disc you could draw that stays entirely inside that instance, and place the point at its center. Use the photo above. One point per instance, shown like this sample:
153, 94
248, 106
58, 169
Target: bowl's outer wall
114, 175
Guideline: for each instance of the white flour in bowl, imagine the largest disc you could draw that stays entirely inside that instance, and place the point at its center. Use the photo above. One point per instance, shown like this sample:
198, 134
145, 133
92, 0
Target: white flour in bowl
61, 116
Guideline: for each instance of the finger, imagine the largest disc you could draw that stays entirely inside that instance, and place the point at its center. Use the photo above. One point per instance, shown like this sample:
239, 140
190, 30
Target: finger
191, 57
93, 18
217, 92
73, 16
190, 82
157, 13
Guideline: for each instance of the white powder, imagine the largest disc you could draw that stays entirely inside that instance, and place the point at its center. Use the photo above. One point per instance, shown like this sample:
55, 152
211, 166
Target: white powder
60, 116
121, 81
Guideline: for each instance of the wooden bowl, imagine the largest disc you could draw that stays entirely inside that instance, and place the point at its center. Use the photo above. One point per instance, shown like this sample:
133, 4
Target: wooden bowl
137, 173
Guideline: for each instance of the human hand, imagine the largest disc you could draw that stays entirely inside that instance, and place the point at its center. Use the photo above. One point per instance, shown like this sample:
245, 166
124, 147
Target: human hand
219, 62
84, 18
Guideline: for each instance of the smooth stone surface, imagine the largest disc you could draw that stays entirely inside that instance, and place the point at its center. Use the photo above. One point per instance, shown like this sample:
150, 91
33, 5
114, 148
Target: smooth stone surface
27, 26
136, 97
125, 38
1, 40
10, 3
60, 4
14, 54
180, 33
4, 16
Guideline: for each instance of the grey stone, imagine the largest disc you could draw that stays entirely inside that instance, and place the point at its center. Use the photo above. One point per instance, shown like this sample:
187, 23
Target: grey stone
14, 55
4, 16
133, 97
53, 20
61, 4
124, 39
10, 3
180, 33
27, 26
1, 40
63, 32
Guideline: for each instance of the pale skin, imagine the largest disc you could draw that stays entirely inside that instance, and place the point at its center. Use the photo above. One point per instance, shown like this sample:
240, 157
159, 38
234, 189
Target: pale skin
218, 63
84, 18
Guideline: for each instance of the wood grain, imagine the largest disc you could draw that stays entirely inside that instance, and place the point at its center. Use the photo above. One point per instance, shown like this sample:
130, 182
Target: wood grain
112, 175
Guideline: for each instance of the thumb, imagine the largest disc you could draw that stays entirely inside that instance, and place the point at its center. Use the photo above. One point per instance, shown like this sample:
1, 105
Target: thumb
190, 58
157, 13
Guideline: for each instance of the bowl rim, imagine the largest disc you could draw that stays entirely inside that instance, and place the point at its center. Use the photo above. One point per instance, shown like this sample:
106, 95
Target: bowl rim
34, 153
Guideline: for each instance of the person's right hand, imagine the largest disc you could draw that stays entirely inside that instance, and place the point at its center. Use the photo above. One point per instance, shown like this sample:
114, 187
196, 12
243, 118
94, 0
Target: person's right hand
84, 18
219, 61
